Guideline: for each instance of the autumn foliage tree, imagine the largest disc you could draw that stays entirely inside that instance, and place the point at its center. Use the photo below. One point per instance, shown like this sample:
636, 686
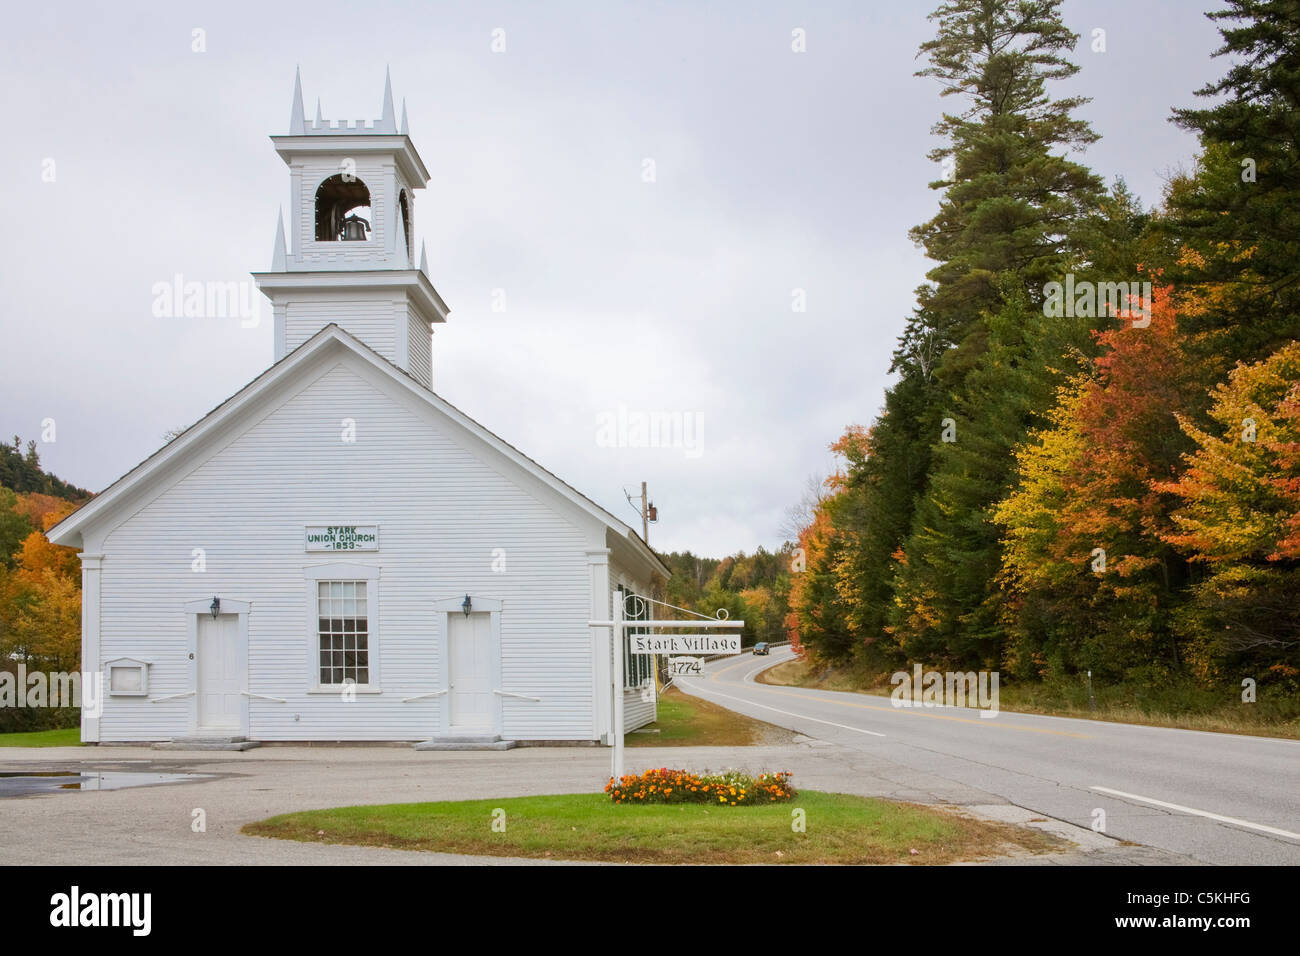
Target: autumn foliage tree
817, 622
40, 598
1239, 517
40, 584
1085, 530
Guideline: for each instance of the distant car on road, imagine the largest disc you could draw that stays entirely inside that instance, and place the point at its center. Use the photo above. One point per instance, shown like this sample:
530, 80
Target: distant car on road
761, 648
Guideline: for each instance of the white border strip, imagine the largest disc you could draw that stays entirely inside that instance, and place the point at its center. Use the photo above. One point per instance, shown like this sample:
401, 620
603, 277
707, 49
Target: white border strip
1200, 813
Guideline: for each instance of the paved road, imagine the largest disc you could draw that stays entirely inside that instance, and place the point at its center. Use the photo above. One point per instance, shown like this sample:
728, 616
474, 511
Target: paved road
1216, 798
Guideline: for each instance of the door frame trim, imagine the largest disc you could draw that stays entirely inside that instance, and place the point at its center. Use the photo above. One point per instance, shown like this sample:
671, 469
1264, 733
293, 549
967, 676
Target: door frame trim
193, 611
444, 609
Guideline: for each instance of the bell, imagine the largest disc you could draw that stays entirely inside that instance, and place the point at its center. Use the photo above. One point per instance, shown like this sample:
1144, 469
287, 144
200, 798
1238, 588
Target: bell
354, 229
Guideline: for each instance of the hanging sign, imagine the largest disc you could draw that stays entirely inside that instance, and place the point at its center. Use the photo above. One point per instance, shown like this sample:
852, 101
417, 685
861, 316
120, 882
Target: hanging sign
685, 666
685, 643
342, 537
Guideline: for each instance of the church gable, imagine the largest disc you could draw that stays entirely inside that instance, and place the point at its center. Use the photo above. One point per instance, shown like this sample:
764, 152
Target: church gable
317, 422
342, 426
342, 449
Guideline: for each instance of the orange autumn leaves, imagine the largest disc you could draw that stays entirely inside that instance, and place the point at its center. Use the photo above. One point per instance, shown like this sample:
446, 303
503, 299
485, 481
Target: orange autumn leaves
40, 588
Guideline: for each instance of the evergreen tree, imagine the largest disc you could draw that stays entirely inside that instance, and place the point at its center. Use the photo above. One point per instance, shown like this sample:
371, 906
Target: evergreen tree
1008, 224
1241, 213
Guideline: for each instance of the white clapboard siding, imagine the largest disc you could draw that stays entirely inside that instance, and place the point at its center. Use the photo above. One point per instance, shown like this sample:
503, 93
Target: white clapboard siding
419, 350
443, 503
369, 319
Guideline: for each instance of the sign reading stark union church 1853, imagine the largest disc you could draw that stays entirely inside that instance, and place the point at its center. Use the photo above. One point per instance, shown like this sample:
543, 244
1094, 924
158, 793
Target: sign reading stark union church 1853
343, 537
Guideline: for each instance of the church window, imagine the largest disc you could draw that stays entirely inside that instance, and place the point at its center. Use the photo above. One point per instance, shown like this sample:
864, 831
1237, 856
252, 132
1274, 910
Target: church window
343, 634
342, 210
638, 669
404, 209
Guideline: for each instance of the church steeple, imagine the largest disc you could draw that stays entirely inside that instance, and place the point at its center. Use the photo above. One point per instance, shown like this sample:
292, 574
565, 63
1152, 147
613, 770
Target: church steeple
349, 258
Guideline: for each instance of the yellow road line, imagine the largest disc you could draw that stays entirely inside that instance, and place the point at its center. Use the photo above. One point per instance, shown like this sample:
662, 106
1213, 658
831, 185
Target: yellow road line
979, 721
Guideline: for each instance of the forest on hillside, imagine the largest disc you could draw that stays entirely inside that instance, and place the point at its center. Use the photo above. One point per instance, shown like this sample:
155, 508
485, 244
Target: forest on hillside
751, 588
1089, 458
40, 583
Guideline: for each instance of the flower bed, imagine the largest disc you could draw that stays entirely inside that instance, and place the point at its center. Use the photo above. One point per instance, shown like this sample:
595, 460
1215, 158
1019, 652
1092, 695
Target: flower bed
730, 788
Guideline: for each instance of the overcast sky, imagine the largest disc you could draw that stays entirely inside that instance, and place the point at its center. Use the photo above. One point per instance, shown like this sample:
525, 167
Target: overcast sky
773, 171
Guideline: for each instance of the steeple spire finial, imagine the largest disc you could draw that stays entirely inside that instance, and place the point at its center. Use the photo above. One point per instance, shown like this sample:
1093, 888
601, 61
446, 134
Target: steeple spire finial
320, 120
297, 119
387, 122
424, 257
403, 128
279, 256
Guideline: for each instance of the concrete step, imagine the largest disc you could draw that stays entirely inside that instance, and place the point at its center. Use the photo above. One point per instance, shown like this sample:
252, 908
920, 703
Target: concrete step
207, 743
466, 742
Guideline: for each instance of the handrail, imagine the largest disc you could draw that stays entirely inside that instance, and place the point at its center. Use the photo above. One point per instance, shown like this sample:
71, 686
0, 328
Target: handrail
507, 693
156, 700
278, 700
434, 693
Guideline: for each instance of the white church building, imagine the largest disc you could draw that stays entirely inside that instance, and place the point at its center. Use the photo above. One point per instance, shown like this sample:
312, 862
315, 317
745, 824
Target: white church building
335, 553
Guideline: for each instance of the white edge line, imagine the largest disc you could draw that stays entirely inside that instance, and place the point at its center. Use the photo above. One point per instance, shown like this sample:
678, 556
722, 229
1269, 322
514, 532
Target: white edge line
1200, 813
788, 713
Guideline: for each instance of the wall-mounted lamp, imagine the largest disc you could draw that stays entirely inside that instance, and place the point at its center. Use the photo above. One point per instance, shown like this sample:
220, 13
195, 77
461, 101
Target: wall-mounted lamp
215, 607
466, 605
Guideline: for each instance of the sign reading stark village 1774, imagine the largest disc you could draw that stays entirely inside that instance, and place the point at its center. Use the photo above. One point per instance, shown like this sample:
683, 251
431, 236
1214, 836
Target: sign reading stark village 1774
685, 643
343, 537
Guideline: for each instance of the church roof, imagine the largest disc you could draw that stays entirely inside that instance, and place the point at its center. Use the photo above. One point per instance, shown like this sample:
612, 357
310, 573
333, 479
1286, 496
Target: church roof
68, 531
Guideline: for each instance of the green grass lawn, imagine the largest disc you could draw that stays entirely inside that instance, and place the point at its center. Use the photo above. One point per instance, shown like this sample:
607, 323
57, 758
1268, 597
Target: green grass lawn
686, 721
67, 737
582, 826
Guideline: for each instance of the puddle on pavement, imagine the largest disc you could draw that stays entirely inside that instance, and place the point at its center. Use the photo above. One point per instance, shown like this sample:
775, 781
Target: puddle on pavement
18, 783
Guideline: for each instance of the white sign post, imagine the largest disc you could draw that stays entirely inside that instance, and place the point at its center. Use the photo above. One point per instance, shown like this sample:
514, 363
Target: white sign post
653, 644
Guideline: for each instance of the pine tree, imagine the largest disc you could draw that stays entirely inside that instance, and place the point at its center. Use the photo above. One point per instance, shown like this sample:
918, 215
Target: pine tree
1007, 226
1241, 212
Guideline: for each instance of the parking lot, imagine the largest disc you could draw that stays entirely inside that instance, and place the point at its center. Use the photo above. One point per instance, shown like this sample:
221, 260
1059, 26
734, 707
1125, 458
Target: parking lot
155, 824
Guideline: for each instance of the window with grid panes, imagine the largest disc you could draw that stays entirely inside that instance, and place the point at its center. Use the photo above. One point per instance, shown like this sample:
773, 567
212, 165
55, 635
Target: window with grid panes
637, 668
343, 632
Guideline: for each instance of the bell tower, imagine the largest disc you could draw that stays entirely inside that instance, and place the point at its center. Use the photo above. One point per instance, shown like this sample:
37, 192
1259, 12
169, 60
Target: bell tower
347, 256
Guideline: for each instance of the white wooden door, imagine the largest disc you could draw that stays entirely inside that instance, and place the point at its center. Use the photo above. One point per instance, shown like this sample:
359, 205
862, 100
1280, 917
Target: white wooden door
220, 674
472, 658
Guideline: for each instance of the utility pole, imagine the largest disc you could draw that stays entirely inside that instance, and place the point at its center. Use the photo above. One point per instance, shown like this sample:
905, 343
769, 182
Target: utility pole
646, 509
645, 518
